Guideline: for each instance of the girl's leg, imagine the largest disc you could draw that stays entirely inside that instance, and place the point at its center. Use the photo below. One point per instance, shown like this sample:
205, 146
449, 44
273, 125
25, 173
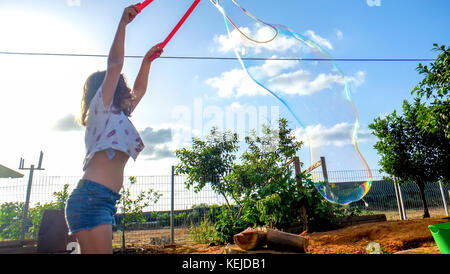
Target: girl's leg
95, 241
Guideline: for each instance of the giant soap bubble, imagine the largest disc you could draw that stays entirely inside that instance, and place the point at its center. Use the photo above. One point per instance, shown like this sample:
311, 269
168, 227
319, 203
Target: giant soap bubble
315, 91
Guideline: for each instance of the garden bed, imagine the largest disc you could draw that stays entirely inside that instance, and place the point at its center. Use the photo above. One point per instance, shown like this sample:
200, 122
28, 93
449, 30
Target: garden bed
410, 236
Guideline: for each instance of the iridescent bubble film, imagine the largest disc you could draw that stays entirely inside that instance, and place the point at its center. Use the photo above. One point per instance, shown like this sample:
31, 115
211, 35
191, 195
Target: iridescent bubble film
314, 91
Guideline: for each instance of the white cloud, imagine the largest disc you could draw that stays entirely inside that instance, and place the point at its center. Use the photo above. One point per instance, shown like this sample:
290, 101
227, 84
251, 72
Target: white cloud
280, 76
288, 77
302, 82
235, 40
228, 42
272, 68
338, 135
162, 141
235, 83
281, 44
358, 79
67, 123
319, 40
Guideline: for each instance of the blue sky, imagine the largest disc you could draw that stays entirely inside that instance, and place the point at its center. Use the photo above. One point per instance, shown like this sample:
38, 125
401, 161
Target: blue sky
41, 94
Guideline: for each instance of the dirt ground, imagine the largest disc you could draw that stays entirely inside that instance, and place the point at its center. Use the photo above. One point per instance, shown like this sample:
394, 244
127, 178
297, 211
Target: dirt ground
394, 237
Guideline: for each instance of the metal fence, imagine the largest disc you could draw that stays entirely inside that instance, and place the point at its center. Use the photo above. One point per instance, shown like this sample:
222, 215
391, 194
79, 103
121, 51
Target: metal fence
189, 208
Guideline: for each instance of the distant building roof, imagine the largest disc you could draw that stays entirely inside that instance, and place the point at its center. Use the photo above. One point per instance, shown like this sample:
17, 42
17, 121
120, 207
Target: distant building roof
9, 173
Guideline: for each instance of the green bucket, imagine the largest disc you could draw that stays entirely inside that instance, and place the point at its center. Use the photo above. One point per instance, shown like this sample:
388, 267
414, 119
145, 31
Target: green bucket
441, 235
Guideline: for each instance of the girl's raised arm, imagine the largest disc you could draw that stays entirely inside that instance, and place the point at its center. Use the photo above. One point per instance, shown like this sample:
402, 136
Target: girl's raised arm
116, 56
140, 85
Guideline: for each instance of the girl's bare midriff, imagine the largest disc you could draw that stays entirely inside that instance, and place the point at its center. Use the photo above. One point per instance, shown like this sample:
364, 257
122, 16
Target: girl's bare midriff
105, 171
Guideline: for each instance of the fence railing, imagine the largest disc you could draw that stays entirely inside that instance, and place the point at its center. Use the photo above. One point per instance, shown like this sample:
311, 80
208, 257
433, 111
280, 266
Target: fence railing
190, 207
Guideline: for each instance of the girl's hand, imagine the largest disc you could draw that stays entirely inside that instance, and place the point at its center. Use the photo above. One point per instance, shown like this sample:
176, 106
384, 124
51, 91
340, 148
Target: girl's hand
129, 14
153, 53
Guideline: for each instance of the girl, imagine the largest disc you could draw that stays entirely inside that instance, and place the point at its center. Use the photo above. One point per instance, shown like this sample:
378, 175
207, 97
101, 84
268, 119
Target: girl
110, 140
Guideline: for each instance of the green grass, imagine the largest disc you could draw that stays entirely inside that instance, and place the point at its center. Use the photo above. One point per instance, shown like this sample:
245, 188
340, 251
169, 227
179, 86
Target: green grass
205, 233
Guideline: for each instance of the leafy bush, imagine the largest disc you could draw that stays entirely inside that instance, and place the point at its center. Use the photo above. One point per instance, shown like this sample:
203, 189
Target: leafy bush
11, 220
205, 233
11, 215
264, 192
227, 225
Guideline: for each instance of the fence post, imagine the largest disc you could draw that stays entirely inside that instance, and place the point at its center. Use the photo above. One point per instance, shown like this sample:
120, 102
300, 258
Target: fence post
443, 198
399, 200
398, 193
27, 199
172, 190
324, 169
27, 202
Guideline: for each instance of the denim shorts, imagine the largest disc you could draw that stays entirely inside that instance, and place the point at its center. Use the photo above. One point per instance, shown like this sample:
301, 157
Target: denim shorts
89, 205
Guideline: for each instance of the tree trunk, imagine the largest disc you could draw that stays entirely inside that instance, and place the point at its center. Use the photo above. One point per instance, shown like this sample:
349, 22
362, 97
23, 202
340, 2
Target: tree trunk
124, 250
286, 241
251, 239
304, 218
426, 213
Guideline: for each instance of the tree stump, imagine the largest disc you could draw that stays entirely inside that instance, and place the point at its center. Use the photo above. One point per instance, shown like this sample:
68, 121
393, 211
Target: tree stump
286, 241
251, 239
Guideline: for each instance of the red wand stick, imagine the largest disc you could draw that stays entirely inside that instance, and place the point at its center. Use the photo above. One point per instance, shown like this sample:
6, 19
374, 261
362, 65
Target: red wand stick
144, 4
177, 27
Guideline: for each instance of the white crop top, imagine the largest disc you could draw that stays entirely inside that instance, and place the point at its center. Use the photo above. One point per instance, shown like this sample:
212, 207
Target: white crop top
109, 129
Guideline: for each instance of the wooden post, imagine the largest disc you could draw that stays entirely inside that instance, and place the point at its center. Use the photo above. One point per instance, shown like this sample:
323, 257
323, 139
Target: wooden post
324, 169
297, 170
325, 179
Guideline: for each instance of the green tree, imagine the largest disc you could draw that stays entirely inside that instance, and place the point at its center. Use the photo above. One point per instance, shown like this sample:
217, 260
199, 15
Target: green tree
11, 216
61, 197
407, 152
10, 220
209, 161
415, 147
434, 89
263, 190
132, 209
269, 193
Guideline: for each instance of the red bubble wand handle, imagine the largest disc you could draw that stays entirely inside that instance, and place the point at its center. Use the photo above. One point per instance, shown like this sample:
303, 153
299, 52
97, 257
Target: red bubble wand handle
177, 27
144, 4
